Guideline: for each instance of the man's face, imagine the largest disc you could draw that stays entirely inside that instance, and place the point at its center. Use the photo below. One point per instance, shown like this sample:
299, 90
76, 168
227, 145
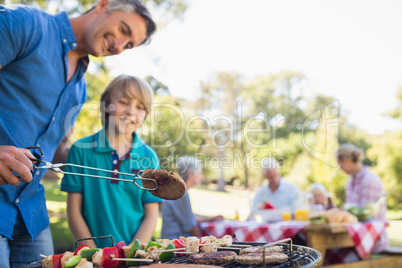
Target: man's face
112, 33
272, 175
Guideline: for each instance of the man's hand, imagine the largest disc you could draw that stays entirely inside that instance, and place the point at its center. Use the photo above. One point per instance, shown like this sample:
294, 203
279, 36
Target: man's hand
15, 159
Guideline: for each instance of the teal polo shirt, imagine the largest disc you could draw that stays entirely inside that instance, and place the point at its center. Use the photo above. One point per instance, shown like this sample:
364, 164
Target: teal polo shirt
110, 207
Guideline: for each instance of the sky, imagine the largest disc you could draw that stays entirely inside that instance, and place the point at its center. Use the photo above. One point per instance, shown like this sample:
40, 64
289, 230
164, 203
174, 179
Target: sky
348, 49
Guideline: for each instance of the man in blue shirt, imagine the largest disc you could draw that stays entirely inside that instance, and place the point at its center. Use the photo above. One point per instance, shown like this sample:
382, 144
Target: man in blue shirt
43, 59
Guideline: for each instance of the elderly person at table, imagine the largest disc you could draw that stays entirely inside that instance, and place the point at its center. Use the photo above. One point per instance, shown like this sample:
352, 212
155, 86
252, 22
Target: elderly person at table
363, 187
177, 215
321, 198
277, 191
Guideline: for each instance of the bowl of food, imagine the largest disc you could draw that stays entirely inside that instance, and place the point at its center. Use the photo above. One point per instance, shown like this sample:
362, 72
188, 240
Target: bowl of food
365, 213
270, 215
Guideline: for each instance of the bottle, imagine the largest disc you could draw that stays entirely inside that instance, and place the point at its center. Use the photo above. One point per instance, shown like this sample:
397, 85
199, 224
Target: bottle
330, 204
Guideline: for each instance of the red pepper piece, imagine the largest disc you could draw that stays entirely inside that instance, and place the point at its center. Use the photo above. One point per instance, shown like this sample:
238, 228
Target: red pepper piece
201, 243
268, 205
143, 246
120, 246
107, 257
179, 243
56, 260
79, 248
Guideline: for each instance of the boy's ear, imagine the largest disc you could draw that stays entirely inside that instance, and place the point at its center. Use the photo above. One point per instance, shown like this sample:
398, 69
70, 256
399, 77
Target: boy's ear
103, 5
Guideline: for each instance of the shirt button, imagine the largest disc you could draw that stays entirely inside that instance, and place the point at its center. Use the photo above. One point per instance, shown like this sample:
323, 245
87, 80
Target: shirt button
64, 40
74, 44
115, 161
54, 118
17, 200
37, 173
113, 152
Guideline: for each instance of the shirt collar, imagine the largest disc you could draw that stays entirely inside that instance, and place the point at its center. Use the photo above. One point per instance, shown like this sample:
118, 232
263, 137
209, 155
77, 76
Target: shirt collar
360, 174
102, 144
67, 35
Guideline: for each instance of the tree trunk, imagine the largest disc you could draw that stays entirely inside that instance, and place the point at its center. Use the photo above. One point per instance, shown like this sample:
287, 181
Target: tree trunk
221, 178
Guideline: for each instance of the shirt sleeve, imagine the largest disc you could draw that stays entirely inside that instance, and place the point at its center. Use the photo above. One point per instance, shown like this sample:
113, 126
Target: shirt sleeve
72, 183
258, 199
183, 214
18, 34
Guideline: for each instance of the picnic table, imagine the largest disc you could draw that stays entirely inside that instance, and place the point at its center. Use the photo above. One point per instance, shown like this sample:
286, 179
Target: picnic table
330, 239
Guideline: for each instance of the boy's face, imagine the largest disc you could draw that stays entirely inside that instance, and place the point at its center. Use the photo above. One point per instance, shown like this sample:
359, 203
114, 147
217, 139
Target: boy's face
111, 33
125, 114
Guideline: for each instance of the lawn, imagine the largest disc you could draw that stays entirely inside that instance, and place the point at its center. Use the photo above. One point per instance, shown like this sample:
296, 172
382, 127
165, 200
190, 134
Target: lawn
206, 201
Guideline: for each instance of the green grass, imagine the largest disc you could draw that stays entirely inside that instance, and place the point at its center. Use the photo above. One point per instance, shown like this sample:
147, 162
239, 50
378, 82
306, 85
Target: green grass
63, 240
205, 202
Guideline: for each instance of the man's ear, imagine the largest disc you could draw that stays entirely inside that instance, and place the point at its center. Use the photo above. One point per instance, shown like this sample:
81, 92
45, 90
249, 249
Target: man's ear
103, 5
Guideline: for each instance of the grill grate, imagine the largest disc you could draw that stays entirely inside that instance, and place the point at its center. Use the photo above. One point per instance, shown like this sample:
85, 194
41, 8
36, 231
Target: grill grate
302, 257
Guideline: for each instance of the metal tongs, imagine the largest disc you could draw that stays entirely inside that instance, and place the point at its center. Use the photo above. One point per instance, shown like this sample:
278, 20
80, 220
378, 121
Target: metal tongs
57, 168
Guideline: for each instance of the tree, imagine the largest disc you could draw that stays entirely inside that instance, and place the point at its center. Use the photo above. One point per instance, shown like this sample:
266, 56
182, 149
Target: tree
255, 112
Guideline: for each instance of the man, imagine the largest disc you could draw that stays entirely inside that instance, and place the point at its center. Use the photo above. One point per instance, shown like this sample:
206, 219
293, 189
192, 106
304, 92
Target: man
43, 59
177, 215
279, 192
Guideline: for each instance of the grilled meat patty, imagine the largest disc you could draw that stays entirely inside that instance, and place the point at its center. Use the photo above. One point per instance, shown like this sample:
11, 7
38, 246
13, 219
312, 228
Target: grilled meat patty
170, 185
256, 258
259, 249
213, 257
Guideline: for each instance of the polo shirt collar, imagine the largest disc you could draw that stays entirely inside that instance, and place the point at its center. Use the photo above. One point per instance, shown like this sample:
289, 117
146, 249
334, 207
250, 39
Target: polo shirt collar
102, 144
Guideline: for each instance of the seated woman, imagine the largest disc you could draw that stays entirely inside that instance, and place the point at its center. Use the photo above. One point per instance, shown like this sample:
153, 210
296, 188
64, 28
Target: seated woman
363, 186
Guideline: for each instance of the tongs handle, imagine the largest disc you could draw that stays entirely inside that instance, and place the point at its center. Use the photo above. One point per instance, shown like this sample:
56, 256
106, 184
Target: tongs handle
56, 167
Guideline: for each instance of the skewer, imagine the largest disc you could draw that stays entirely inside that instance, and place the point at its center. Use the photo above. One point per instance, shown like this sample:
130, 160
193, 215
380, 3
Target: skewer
43, 256
169, 250
228, 248
235, 245
132, 259
187, 252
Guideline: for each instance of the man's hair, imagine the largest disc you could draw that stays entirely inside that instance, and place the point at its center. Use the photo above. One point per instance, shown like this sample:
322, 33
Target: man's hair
269, 163
131, 87
186, 163
138, 7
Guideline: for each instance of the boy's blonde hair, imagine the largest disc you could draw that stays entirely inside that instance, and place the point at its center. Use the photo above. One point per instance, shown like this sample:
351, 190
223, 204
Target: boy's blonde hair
131, 87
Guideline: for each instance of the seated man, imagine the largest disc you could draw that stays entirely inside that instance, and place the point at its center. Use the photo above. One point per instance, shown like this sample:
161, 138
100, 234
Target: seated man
177, 215
278, 192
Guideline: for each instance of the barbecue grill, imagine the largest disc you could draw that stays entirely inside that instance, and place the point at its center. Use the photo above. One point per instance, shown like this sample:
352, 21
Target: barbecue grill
301, 256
